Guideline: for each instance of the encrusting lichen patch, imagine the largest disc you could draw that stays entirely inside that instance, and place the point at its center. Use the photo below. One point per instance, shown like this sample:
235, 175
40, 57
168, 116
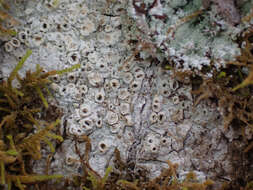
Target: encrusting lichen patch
154, 80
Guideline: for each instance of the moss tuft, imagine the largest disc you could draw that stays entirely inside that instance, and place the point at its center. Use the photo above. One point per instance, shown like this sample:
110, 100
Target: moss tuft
5, 17
21, 130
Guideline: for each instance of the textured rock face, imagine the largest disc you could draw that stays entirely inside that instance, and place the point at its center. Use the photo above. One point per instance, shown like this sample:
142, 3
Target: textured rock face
135, 106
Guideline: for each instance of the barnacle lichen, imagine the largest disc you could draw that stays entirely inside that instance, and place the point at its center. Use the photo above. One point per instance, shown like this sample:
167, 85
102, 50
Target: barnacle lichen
121, 107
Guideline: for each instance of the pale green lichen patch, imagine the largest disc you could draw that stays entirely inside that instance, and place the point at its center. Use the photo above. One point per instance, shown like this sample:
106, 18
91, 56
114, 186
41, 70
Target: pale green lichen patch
183, 33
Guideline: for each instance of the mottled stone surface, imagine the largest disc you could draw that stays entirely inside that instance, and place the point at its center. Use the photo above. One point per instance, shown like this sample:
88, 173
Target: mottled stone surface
138, 108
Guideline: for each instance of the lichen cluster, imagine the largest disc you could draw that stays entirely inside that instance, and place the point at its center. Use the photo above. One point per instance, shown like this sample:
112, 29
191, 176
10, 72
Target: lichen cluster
120, 97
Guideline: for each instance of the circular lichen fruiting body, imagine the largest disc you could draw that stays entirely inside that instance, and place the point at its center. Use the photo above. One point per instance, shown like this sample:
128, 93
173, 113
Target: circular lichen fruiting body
123, 93
135, 86
87, 125
99, 123
116, 128
102, 66
72, 77
83, 89
115, 84
22, 36
165, 141
161, 117
87, 27
104, 145
95, 78
85, 110
153, 117
112, 118
8, 47
74, 130
100, 97
55, 78
15, 42
70, 160
175, 100
129, 120
73, 57
127, 77
124, 108
152, 144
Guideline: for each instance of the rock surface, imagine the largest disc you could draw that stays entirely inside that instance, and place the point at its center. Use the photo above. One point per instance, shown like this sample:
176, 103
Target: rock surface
126, 101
